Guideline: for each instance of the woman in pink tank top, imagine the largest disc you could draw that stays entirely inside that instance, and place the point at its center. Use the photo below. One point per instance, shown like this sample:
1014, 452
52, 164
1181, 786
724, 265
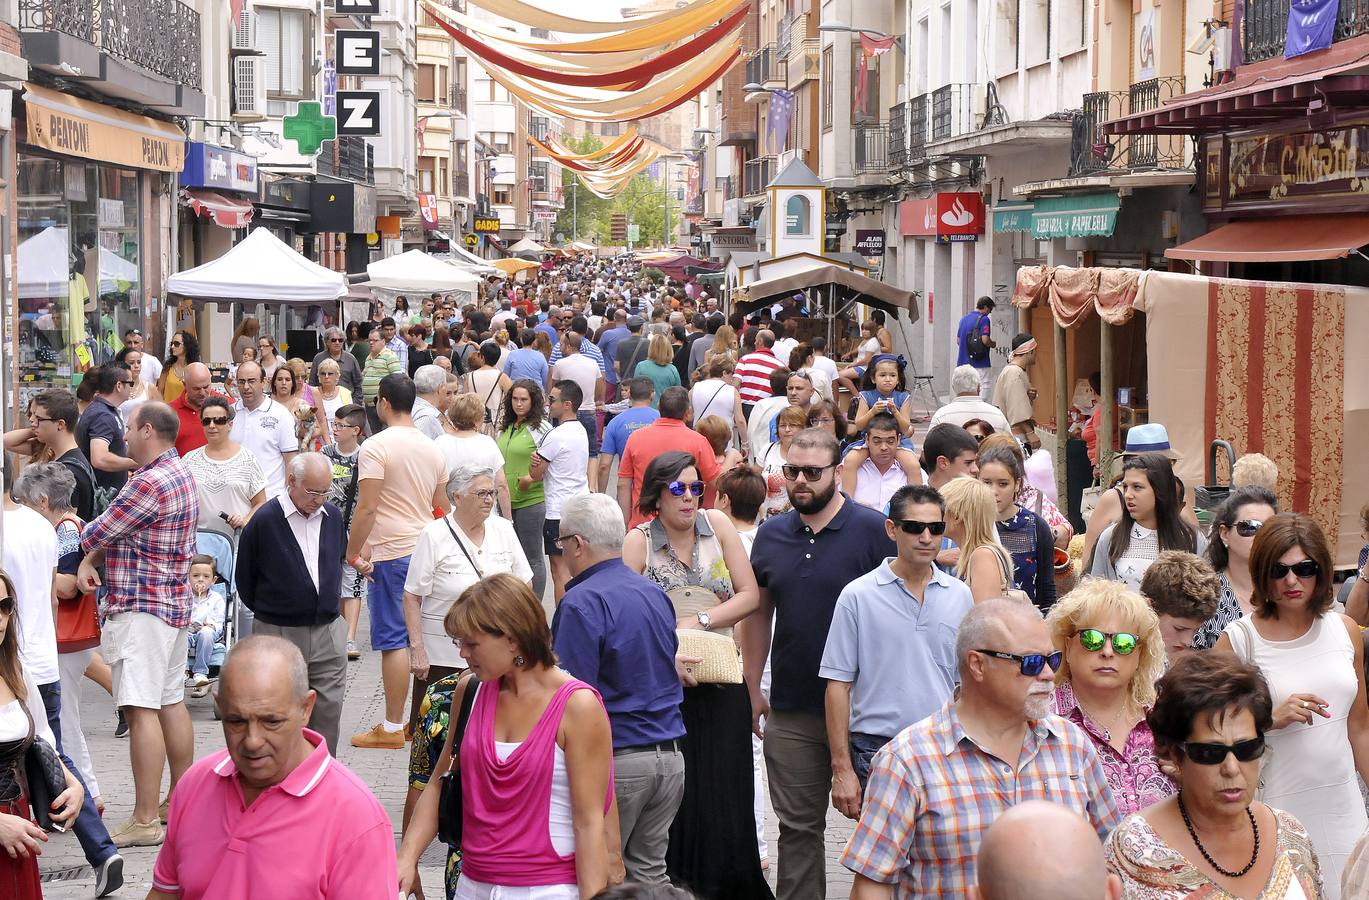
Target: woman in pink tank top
536, 759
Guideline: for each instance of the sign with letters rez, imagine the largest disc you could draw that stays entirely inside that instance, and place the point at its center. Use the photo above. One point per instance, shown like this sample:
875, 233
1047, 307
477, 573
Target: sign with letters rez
358, 113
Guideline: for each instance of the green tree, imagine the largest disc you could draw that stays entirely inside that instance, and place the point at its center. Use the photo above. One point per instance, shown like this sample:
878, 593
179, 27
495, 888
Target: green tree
587, 217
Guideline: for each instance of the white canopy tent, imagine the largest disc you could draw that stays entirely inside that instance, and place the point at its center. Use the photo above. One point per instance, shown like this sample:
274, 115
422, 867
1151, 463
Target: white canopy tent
45, 269
261, 268
465, 259
417, 272
527, 248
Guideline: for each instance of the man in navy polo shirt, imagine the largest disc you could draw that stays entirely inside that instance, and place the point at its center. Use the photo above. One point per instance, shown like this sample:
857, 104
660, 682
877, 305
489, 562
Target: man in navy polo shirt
803, 559
615, 630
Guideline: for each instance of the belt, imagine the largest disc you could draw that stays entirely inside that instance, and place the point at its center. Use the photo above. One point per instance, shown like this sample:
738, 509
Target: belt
673, 746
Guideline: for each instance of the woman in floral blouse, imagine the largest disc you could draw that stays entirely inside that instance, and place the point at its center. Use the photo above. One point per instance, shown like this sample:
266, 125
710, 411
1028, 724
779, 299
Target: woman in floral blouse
1106, 684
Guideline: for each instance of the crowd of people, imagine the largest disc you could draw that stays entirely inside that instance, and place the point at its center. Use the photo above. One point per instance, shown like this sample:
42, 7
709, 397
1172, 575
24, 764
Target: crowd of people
637, 570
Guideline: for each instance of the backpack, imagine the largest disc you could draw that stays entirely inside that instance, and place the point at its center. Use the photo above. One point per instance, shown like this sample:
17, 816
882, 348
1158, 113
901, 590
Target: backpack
975, 348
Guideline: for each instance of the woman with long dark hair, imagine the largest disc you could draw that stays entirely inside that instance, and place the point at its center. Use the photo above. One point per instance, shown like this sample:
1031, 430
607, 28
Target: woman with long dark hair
523, 431
1150, 522
1234, 526
183, 350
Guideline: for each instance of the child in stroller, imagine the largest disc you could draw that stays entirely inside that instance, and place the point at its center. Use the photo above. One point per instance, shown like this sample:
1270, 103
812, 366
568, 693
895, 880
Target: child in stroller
208, 612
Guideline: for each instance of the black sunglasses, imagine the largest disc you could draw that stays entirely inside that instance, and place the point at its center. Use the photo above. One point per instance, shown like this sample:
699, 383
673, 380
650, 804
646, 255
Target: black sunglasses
914, 527
7, 605
1215, 754
1308, 568
214, 420
810, 473
1248, 527
678, 488
1032, 663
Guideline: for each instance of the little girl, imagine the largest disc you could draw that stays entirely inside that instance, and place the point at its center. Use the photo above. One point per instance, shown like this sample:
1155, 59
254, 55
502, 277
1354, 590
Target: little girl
883, 391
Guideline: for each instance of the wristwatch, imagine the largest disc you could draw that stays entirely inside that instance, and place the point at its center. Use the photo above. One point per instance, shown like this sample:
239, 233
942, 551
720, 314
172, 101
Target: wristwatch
705, 620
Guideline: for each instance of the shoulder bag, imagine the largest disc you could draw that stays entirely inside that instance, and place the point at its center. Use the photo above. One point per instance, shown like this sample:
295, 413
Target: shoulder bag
44, 778
449, 812
78, 618
1010, 589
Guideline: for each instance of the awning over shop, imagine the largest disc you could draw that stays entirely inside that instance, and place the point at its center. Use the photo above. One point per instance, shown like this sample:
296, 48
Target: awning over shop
865, 290
1073, 294
228, 212
1012, 217
1281, 239
66, 124
1075, 215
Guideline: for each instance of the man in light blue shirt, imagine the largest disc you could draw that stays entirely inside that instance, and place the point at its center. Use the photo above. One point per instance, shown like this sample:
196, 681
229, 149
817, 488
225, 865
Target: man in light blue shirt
890, 654
527, 362
639, 415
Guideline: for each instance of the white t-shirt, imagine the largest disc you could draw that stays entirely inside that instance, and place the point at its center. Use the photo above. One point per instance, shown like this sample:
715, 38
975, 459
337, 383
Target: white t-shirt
30, 560
762, 415
783, 348
439, 571
825, 365
713, 397
151, 370
471, 450
226, 485
868, 349
582, 370
566, 450
269, 432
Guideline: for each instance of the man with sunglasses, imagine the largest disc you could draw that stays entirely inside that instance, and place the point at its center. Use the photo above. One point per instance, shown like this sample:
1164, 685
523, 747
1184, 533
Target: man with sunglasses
890, 654
100, 432
941, 782
803, 559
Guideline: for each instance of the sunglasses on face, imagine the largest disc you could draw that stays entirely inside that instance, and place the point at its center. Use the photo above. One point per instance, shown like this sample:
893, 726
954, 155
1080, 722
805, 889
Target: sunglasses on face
214, 420
335, 340
914, 527
176, 343
1248, 527
1123, 642
810, 473
1308, 568
1215, 754
130, 382
1032, 663
7, 605
678, 488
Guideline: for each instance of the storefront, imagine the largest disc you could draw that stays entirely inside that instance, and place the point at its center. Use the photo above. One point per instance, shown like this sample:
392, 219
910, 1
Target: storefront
87, 233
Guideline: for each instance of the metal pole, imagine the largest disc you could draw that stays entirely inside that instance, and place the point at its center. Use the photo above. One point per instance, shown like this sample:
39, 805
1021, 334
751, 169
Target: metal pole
665, 216
574, 207
1062, 431
1108, 421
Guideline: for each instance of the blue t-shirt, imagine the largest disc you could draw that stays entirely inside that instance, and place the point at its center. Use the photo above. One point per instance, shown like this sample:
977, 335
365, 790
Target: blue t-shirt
526, 362
608, 345
620, 429
551, 332
968, 323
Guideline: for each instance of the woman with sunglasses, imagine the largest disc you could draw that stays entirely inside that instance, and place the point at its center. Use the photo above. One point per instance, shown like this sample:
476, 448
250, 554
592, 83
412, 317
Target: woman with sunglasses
1234, 526
183, 350
1313, 660
1106, 684
228, 479
713, 838
1214, 839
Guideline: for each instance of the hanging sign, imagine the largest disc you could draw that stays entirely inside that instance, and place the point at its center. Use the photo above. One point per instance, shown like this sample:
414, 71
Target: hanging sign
959, 216
471, 240
357, 7
870, 241
358, 52
427, 211
487, 224
358, 113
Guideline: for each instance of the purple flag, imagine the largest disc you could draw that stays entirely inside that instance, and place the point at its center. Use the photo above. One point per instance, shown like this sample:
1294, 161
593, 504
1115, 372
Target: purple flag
1311, 24
777, 121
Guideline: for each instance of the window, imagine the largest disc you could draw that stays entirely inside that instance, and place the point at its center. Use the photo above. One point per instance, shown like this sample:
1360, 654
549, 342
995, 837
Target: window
501, 142
443, 86
798, 216
538, 175
285, 37
610, 129
503, 195
425, 85
462, 155
827, 88
1006, 16
869, 110
427, 167
443, 185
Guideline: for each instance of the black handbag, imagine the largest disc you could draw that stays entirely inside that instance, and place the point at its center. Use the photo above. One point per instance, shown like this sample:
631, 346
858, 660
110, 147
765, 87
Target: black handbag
46, 780
449, 799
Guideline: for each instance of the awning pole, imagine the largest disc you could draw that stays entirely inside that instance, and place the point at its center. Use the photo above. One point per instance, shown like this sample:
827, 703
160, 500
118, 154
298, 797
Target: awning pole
1107, 424
1062, 431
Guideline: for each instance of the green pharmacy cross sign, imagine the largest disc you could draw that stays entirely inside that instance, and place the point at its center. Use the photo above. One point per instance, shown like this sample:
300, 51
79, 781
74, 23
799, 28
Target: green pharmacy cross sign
309, 127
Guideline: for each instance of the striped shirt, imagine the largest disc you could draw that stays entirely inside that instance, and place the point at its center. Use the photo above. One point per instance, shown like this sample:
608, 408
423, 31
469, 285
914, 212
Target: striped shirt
148, 535
754, 371
933, 791
377, 367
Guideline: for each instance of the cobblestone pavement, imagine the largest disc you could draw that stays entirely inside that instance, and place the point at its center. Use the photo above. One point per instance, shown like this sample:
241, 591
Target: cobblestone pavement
64, 867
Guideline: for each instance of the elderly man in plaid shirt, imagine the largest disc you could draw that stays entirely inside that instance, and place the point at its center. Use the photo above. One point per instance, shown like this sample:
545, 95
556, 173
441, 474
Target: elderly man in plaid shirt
145, 540
937, 787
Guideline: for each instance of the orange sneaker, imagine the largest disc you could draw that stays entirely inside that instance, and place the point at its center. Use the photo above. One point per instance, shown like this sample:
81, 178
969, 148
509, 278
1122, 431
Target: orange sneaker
379, 739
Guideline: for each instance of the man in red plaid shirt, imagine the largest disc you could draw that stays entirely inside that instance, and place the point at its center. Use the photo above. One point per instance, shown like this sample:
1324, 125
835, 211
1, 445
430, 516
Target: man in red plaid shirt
145, 540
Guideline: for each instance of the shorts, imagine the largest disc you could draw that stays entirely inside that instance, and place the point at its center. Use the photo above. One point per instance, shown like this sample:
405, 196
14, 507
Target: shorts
588, 419
353, 582
147, 658
551, 531
385, 600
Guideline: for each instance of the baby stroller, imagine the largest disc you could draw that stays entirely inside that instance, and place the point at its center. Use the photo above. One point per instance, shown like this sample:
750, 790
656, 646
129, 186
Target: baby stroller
220, 541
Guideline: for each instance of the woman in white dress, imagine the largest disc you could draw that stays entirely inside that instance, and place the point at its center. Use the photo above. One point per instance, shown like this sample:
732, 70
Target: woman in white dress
716, 395
228, 478
142, 391
1313, 659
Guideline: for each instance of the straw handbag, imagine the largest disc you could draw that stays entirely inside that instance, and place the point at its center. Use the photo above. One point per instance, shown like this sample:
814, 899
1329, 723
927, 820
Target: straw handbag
721, 663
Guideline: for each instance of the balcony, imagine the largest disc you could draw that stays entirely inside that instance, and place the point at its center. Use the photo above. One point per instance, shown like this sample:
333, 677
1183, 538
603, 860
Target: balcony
148, 51
756, 174
898, 136
805, 61
871, 151
1095, 152
767, 68
918, 122
953, 111
460, 98
1264, 26
461, 184
349, 158
1153, 151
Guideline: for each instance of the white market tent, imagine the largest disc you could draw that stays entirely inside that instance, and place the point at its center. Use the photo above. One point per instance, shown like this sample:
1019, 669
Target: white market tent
45, 271
262, 268
417, 272
465, 259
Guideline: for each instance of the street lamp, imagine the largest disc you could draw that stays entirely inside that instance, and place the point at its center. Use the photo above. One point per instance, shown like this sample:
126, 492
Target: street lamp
754, 88
843, 27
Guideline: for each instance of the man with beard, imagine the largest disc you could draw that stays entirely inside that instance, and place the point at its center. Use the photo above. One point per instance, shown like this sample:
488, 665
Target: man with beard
936, 788
803, 559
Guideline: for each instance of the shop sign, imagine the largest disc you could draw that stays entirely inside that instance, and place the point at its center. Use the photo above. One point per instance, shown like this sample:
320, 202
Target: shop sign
487, 224
959, 216
1261, 170
427, 211
208, 166
89, 130
358, 51
917, 218
744, 241
358, 113
1012, 217
544, 215
471, 240
870, 241
389, 226
1079, 215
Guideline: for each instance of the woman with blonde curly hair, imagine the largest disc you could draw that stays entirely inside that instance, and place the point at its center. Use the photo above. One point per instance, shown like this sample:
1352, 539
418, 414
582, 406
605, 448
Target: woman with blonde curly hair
983, 564
1106, 683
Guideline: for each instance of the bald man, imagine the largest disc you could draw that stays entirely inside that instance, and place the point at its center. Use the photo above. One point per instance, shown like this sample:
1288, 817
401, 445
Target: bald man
316, 830
296, 595
187, 407
1066, 858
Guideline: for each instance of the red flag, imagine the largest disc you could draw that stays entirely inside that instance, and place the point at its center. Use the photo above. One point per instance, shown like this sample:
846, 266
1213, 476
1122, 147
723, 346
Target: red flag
869, 46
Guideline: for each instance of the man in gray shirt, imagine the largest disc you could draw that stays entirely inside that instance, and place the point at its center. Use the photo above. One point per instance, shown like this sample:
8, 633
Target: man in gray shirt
433, 395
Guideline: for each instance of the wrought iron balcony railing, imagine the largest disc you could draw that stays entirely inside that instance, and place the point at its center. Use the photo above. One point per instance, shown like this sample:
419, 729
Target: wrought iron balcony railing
1264, 26
756, 174
953, 111
766, 65
898, 135
1153, 151
161, 36
871, 156
919, 121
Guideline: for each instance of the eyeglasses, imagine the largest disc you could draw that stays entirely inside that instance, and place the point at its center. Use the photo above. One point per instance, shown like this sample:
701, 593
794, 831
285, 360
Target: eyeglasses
678, 488
1308, 568
42, 419
130, 382
346, 425
335, 340
560, 541
1123, 642
914, 527
318, 495
7, 605
1032, 663
1248, 527
214, 420
485, 494
809, 473
1215, 754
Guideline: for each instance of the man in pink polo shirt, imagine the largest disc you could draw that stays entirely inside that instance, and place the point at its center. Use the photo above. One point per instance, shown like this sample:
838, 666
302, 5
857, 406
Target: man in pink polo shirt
273, 815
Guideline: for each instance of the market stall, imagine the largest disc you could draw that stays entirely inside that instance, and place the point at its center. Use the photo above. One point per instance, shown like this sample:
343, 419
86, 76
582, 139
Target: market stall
415, 272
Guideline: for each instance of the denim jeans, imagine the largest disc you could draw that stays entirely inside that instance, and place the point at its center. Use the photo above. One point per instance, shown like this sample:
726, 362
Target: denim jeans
202, 649
89, 827
863, 748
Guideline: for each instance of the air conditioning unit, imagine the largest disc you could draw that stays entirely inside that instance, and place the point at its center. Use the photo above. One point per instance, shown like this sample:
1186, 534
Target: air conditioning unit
245, 31
249, 88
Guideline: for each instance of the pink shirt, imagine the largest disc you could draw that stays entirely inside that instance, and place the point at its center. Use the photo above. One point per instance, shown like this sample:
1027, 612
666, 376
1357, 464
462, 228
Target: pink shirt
1134, 776
320, 833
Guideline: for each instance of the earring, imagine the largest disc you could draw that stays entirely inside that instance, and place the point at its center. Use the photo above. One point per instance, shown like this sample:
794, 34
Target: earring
519, 661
